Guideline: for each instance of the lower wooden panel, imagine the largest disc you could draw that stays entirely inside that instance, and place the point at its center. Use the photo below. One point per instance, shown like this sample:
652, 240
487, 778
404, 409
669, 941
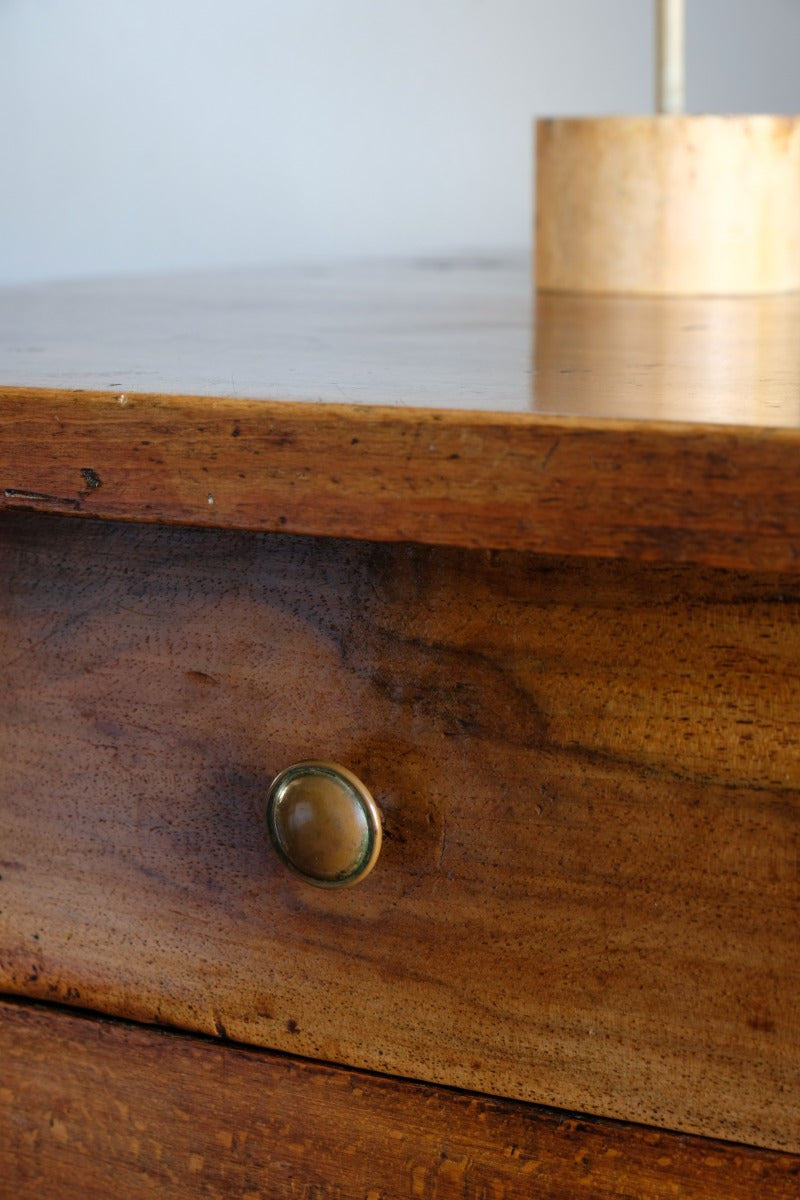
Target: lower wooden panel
589, 774
92, 1108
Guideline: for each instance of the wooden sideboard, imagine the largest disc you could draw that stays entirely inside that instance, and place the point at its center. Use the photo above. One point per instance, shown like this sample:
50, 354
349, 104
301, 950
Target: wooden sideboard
532, 571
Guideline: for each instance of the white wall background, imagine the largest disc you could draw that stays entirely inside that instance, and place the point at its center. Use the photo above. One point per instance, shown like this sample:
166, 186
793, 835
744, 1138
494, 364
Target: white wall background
137, 135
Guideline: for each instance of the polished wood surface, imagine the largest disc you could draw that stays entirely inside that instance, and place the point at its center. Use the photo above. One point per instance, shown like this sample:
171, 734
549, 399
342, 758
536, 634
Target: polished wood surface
447, 333
648, 491
587, 894
456, 412
91, 1108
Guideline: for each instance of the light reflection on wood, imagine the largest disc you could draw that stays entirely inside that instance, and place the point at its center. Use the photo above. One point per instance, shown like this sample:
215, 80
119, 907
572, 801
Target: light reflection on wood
715, 359
455, 334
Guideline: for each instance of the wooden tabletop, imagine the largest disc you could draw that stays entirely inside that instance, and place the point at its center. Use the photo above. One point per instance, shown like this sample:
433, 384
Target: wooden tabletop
464, 334
434, 400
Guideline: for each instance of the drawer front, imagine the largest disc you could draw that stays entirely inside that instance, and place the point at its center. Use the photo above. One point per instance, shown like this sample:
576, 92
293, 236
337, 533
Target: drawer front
94, 1108
588, 772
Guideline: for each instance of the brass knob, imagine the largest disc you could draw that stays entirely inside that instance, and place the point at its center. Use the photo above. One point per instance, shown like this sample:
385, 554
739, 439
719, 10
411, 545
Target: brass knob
324, 824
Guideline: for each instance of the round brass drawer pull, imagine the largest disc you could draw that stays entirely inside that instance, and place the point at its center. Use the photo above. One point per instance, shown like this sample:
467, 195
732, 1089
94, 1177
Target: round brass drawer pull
324, 823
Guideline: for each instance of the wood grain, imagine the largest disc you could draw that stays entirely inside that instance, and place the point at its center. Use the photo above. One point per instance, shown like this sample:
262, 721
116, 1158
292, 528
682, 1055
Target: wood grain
642, 491
588, 771
90, 1108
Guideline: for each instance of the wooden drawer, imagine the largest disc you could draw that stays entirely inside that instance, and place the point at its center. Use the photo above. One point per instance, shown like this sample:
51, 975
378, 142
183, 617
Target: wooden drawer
588, 772
91, 1107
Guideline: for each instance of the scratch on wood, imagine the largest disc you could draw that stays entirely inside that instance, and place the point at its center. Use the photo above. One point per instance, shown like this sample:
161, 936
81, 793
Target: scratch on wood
442, 844
550, 453
60, 629
24, 496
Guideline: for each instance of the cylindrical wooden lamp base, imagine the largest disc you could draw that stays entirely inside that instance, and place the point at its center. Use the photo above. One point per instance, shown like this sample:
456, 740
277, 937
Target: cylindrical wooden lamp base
668, 204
